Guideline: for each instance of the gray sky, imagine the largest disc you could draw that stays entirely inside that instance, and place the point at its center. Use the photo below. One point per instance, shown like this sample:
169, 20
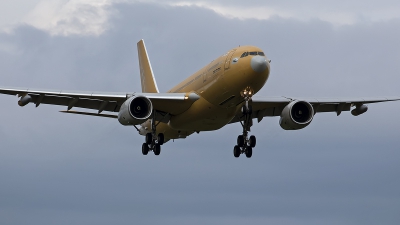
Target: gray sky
68, 169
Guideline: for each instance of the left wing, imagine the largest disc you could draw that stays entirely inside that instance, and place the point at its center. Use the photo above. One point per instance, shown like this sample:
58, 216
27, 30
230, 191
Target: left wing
273, 106
171, 103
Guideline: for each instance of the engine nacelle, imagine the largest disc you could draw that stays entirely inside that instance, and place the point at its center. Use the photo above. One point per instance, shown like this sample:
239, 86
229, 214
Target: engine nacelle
296, 115
360, 109
135, 110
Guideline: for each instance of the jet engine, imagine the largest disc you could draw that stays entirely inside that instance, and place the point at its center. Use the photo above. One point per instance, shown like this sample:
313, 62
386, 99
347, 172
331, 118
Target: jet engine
135, 110
296, 115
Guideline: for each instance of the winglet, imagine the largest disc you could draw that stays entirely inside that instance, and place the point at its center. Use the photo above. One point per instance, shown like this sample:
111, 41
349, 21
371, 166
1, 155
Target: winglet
149, 84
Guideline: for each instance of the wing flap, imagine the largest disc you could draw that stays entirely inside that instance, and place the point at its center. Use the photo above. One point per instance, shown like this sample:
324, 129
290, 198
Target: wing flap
87, 103
332, 107
91, 114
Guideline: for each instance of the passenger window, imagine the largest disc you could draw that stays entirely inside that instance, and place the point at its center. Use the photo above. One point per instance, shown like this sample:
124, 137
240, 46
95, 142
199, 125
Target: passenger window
244, 54
253, 53
261, 53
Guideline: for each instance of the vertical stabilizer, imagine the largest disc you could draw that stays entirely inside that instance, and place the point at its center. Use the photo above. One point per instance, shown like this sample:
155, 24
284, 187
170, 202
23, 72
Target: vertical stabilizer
149, 84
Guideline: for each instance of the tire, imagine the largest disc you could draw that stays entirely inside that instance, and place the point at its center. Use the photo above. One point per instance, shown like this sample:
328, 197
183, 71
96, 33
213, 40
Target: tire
160, 138
236, 151
149, 138
240, 141
249, 152
253, 141
145, 149
157, 149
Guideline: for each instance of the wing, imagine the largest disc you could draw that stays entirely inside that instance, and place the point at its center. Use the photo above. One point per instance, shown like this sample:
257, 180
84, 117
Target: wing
171, 103
273, 106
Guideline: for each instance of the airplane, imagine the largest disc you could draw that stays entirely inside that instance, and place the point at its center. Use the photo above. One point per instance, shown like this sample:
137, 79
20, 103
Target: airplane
221, 93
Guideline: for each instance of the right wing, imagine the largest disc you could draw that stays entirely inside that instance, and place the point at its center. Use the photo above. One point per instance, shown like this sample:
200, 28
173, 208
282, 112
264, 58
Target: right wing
171, 103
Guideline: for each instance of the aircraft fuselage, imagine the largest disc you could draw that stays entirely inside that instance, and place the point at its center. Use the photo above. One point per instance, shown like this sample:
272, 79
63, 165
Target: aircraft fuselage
220, 86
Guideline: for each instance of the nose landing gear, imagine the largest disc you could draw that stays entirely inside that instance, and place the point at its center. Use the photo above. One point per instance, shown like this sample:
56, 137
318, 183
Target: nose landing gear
245, 144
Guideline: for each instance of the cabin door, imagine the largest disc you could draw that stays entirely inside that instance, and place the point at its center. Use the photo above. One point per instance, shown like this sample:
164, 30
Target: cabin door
229, 59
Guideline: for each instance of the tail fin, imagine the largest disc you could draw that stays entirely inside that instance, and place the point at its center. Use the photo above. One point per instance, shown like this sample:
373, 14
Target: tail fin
149, 84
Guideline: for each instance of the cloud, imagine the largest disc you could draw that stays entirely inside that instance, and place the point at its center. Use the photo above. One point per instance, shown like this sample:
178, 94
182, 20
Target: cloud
337, 13
63, 169
71, 17
92, 17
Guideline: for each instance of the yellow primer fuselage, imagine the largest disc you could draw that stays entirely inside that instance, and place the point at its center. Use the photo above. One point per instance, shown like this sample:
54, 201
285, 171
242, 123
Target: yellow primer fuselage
220, 85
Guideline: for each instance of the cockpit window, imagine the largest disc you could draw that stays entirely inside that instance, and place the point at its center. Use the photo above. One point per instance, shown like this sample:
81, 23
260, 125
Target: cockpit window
252, 53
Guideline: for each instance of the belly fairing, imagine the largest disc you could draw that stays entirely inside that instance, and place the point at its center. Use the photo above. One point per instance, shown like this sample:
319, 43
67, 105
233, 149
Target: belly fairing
202, 116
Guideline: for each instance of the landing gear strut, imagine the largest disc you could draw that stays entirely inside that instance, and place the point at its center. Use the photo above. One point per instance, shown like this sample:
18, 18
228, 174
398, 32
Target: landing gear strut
153, 142
245, 144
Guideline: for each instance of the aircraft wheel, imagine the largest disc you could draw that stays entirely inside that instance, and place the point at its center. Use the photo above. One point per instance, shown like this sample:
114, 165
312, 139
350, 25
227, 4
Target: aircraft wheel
240, 141
253, 141
145, 149
157, 149
236, 151
249, 152
160, 139
149, 138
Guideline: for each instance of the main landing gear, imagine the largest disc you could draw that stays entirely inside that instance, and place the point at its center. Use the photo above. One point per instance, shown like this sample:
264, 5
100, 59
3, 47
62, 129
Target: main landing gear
153, 142
245, 144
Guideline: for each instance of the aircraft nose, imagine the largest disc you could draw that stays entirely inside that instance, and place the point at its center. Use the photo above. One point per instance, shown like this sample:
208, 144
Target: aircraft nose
259, 63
